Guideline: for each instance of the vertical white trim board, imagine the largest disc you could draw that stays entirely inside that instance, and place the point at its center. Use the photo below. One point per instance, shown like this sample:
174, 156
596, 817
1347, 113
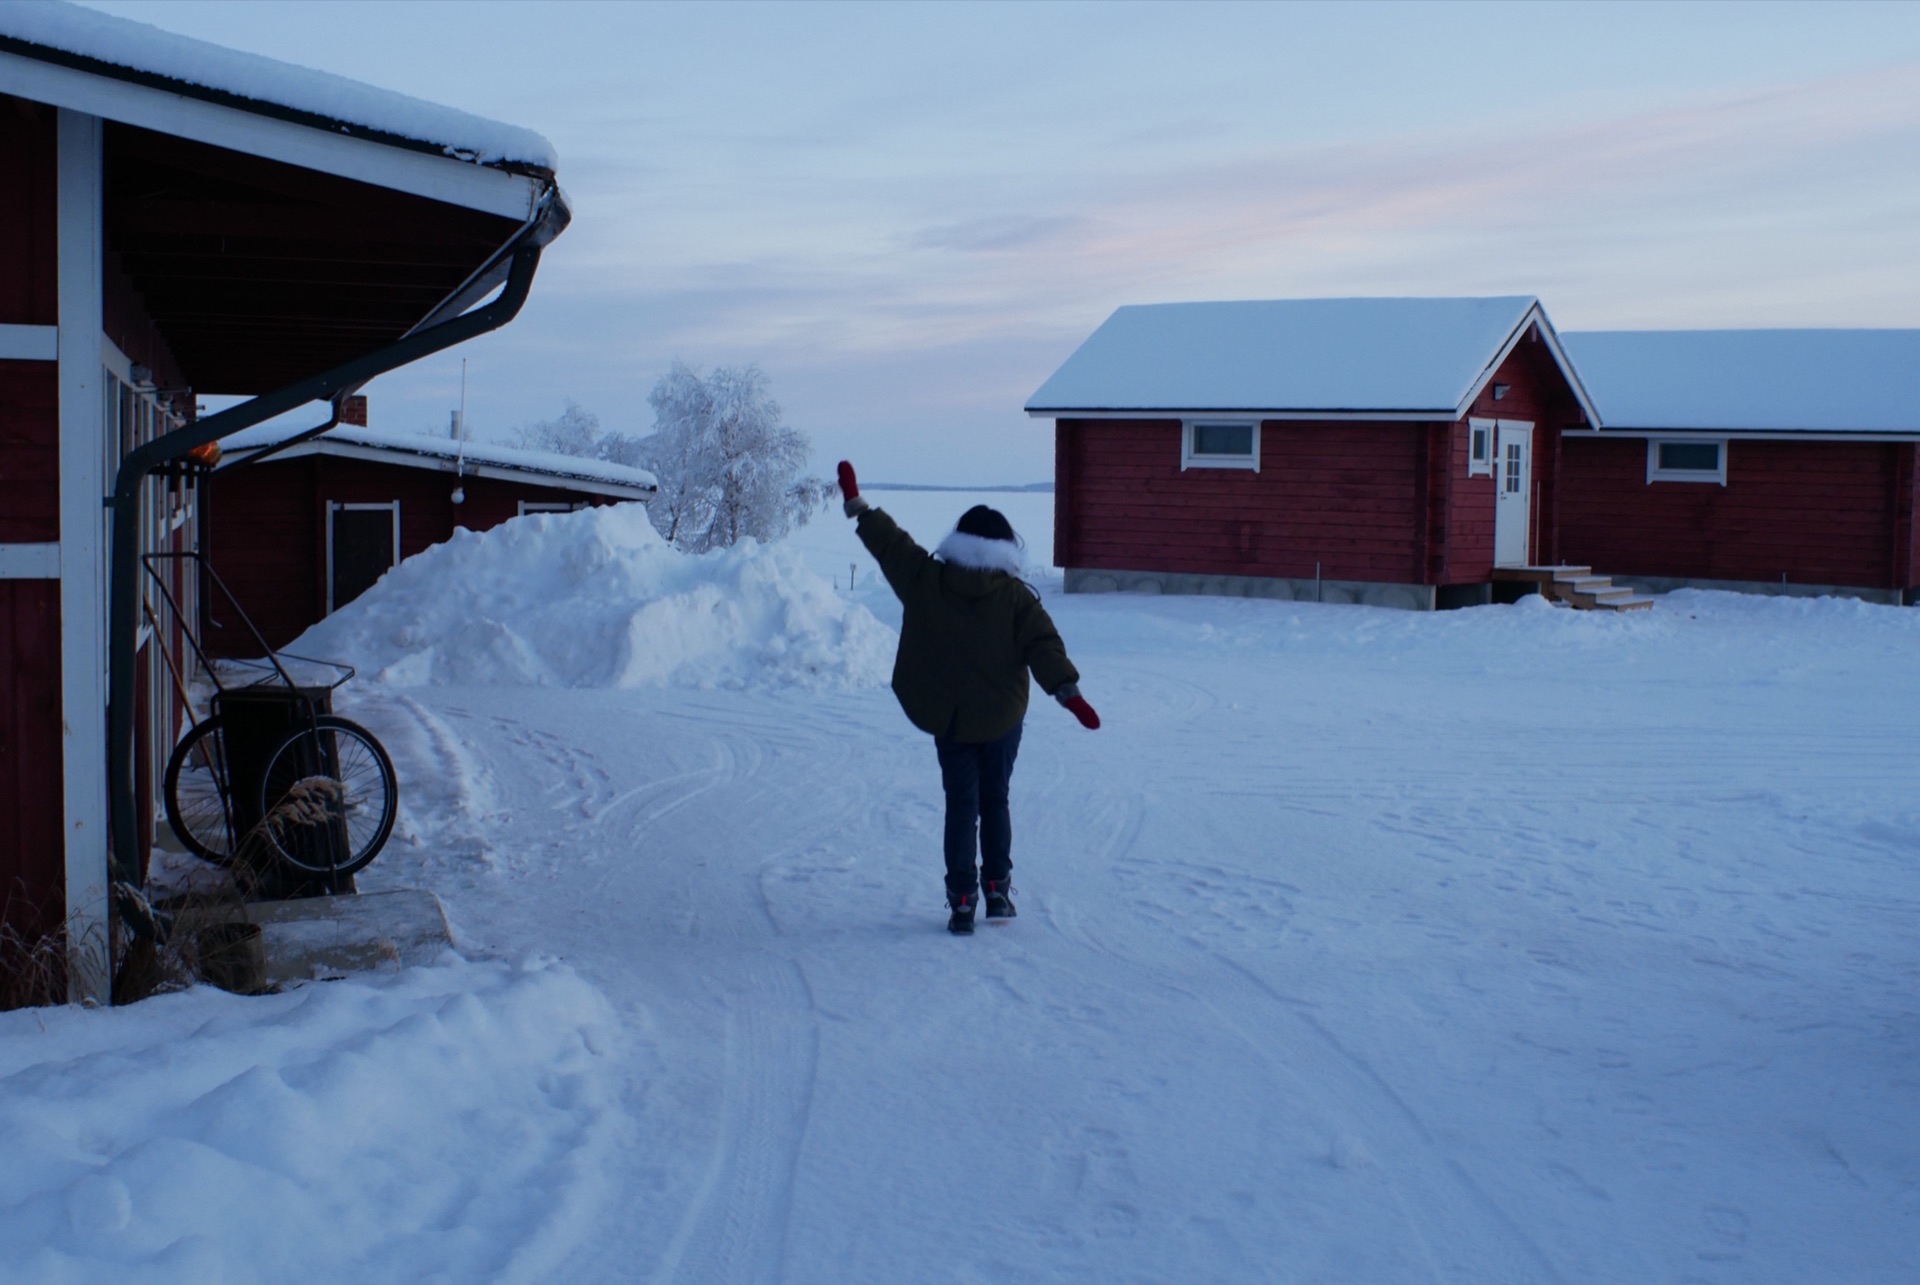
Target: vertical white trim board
83, 577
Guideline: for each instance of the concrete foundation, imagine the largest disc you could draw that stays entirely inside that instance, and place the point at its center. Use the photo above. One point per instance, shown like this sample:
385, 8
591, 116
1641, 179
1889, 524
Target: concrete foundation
1667, 584
1372, 593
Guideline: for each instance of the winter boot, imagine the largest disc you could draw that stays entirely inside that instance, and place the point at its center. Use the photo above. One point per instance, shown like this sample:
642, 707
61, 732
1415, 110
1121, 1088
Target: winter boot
960, 922
1000, 899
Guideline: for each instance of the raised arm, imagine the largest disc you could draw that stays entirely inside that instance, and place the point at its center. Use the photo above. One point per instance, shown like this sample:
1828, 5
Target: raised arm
901, 560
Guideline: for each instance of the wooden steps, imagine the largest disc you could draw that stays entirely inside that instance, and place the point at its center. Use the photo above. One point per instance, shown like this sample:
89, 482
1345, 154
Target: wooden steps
1577, 587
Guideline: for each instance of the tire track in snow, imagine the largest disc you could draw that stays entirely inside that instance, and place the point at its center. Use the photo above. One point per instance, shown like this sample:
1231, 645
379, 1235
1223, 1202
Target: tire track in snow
736, 1227
1462, 1233
737, 1223
697, 832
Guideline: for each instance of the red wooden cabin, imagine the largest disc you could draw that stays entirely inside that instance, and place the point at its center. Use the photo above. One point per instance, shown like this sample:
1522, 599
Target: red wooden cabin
308, 528
1387, 451
1773, 461
181, 219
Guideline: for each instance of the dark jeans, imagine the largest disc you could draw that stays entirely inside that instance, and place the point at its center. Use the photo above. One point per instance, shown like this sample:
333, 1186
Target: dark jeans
976, 778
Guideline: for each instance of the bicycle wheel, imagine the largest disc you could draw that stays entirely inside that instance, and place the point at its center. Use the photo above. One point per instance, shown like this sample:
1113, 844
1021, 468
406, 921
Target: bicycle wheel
199, 794
329, 797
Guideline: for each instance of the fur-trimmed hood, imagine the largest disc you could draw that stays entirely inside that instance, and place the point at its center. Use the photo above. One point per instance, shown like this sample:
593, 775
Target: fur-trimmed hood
981, 554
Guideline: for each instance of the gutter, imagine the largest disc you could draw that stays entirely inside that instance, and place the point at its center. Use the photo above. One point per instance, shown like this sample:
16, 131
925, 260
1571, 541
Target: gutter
441, 329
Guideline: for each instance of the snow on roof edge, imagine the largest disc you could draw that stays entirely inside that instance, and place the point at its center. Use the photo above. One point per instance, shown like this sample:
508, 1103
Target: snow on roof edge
243, 444
68, 34
1798, 381
1392, 356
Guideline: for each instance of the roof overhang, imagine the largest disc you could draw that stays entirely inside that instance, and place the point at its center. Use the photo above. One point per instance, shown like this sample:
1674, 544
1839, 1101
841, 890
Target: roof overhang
439, 463
258, 272
119, 94
1438, 415
1764, 435
1535, 319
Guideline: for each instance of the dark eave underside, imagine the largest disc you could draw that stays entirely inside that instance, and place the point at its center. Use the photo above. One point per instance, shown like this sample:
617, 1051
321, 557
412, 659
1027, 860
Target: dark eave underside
259, 274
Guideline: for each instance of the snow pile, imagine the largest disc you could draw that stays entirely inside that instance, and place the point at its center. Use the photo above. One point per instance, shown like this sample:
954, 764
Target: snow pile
597, 599
448, 1123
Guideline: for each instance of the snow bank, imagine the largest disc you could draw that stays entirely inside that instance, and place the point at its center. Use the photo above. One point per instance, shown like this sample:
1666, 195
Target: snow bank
597, 599
448, 1123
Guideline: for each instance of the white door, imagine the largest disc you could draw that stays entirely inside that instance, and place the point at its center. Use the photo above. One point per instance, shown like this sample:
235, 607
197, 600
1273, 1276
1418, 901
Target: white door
1513, 471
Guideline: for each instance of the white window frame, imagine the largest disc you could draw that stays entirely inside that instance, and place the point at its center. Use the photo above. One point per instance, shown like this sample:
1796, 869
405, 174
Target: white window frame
1481, 465
1188, 459
550, 506
1655, 473
333, 508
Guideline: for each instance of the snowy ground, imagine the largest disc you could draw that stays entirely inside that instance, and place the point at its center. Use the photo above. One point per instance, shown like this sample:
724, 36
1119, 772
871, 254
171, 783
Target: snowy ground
1512, 944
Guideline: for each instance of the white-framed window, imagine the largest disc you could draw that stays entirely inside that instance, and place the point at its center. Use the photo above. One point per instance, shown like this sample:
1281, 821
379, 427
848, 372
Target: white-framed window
1220, 443
550, 506
1480, 447
1672, 459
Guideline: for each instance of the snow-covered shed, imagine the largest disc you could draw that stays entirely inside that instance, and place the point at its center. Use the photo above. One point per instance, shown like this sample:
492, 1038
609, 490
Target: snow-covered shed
299, 530
1389, 451
181, 219
1763, 460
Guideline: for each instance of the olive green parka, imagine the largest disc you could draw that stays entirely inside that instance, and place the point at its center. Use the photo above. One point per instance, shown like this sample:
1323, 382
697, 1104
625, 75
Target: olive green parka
968, 637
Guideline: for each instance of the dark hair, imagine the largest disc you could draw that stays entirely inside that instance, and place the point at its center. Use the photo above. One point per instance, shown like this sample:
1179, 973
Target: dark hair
988, 524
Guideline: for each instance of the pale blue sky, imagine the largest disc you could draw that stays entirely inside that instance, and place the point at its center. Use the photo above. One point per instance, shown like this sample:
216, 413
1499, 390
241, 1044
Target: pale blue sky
910, 214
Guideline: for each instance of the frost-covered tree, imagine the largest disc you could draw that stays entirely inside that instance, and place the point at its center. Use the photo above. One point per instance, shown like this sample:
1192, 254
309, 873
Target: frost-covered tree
577, 432
728, 468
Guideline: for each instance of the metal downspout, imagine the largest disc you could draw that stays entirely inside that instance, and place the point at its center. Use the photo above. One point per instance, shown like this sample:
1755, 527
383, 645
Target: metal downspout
124, 575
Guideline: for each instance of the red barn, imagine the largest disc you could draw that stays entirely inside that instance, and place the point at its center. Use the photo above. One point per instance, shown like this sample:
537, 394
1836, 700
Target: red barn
1386, 451
1773, 461
181, 219
298, 531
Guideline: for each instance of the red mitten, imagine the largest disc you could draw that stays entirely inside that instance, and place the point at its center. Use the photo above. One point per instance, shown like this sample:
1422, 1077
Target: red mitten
1083, 712
850, 502
1076, 704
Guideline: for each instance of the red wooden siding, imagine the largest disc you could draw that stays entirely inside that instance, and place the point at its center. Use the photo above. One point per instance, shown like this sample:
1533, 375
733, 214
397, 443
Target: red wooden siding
126, 322
1379, 501
1348, 496
268, 527
29, 452
1536, 392
1822, 513
29, 285
1906, 531
32, 879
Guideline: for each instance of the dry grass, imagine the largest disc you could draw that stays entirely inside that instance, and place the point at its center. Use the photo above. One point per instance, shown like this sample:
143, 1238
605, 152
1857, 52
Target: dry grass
33, 961
33, 970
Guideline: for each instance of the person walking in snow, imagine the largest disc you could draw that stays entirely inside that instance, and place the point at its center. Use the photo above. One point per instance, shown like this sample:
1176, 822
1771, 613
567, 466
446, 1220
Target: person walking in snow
970, 632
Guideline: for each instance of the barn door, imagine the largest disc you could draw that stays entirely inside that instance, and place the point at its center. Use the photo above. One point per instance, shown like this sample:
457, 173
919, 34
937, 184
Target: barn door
1512, 514
363, 542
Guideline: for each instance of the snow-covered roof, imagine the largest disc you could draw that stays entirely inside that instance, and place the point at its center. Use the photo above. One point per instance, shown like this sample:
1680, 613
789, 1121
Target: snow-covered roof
1390, 356
146, 54
422, 450
1775, 381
